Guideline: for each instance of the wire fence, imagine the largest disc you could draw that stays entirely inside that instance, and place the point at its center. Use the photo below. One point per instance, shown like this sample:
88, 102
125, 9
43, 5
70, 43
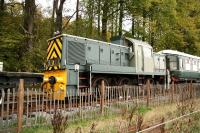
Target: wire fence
26, 107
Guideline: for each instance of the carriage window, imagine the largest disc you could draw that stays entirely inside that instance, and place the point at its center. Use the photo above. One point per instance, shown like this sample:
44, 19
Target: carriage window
173, 62
181, 63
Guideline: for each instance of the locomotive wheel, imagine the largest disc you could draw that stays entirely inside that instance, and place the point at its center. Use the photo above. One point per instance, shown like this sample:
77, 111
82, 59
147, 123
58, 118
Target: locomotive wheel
96, 83
125, 81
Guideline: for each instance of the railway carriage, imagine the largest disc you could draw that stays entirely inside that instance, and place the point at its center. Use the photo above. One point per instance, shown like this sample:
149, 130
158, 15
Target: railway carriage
75, 63
182, 66
11, 79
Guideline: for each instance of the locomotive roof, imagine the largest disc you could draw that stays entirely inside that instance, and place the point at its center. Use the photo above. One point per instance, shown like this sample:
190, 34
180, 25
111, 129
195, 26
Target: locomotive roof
78, 37
174, 52
134, 41
138, 42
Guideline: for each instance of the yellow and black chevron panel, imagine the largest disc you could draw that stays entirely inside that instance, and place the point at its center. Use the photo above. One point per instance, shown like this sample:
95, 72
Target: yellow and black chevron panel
54, 53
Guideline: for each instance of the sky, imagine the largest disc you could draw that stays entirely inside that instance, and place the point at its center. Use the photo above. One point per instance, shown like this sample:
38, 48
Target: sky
69, 9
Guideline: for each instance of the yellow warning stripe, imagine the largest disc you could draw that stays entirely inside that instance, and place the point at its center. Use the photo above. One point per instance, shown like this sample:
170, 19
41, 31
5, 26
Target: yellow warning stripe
49, 46
59, 43
53, 55
57, 51
54, 51
55, 67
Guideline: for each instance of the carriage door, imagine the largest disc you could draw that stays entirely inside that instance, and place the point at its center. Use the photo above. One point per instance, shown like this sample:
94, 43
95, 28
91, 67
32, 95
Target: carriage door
140, 61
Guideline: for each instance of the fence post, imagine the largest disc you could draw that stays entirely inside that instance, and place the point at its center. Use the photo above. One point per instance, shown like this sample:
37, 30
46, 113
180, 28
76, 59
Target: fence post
148, 91
102, 96
191, 90
162, 127
20, 105
172, 91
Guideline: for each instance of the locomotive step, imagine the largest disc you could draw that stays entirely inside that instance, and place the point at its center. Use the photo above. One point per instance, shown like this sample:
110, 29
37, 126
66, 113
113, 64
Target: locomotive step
82, 77
83, 86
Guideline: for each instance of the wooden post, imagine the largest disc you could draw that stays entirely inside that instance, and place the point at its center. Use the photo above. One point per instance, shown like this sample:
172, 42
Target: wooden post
172, 91
102, 96
148, 91
20, 105
191, 90
162, 127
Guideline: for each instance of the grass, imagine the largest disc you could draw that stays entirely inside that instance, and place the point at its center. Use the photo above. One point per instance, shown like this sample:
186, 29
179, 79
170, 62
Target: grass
104, 123
113, 122
84, 123
38, 129
143, 109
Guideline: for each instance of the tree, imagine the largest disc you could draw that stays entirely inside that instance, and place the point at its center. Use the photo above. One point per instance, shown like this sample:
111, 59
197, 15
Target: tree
105, 8
91, 16
57, 9
2, 5
29, 12
77, 17
121, 14
99, 15
107, 13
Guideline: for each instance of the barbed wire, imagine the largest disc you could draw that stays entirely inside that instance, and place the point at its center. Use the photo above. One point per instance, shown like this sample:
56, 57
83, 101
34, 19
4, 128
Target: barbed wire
166, 122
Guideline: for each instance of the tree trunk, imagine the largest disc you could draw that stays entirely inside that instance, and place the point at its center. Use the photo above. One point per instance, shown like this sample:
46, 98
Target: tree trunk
112, 24
104, 20
55, 5
151, 33
2, 5
144, 25
77, 17
99, 17
120, 16
91, 17
133, 25
116, 21
104, 28
138, 27
29, 11
105, 9
59, 16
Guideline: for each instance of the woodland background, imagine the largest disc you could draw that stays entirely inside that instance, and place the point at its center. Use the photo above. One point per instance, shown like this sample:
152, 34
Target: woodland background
164, 24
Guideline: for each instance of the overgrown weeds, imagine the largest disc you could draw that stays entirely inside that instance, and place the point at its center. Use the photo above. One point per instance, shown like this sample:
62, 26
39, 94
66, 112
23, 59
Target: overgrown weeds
59, 122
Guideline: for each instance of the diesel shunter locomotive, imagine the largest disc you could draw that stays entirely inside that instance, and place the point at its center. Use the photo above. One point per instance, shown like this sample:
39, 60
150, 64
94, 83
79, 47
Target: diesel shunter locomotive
74, 63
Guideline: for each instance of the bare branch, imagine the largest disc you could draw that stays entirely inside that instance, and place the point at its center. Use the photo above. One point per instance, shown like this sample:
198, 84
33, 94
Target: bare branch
66, 24
25, 31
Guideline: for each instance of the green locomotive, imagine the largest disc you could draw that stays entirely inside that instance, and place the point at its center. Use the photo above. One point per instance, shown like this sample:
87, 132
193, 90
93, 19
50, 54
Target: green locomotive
74, 63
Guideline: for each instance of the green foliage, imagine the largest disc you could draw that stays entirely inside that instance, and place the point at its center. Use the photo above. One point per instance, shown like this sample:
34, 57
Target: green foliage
10, 38
143, 109
165, 24
38, 129
12, 46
